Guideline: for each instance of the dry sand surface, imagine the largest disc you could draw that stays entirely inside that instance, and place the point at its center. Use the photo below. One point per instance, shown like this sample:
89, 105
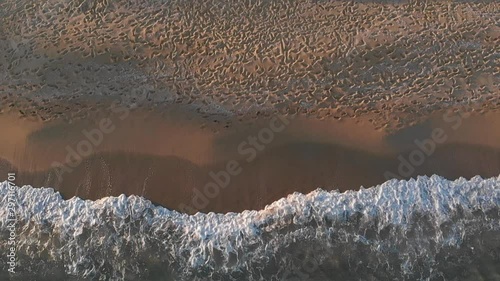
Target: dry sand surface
181, 84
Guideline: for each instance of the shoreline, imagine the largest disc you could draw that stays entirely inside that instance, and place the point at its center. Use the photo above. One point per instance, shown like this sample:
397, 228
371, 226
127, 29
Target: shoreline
178, 168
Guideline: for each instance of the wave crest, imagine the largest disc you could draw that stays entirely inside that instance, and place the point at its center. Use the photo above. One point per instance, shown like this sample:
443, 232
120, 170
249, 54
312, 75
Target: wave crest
422, 229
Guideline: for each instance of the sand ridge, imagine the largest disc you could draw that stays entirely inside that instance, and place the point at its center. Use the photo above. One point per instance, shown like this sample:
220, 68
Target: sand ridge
397, 62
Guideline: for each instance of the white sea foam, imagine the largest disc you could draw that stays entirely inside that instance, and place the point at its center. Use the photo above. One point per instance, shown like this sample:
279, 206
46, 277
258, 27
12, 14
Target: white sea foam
401, 228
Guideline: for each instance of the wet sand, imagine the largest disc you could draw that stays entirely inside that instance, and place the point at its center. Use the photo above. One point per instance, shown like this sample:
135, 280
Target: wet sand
171, 160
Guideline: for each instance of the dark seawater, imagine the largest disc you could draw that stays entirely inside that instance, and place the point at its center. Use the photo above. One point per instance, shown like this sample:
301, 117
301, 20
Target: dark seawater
424, 229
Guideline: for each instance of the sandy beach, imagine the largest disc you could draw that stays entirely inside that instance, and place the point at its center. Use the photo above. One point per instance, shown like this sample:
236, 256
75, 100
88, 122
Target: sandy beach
101, 99
249, 140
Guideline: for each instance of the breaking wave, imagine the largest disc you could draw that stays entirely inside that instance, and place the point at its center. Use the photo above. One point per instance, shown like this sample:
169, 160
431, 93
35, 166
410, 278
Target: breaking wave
424, 229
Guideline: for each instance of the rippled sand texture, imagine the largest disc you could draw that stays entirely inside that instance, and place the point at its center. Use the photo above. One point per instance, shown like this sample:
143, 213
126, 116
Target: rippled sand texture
396, 63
